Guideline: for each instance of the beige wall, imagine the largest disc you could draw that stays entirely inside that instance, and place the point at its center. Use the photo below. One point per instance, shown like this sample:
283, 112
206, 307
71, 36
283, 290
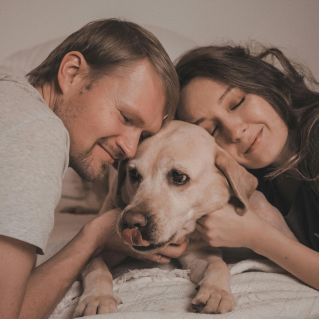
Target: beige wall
293, 25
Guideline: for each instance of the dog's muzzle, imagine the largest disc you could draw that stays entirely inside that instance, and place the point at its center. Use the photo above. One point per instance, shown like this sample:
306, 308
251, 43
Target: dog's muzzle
138, 230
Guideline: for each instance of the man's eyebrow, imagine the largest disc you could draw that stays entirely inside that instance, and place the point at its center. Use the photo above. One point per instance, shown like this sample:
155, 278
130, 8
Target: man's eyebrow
133, 116
138, 120
197, 122
229, 88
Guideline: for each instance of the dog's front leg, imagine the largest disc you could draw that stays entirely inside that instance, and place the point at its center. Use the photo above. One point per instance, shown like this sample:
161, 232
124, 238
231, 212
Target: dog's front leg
213, 280
214, 293
97, 297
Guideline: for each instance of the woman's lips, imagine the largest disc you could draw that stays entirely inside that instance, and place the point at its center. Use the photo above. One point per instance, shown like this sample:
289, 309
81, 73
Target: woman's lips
255, 142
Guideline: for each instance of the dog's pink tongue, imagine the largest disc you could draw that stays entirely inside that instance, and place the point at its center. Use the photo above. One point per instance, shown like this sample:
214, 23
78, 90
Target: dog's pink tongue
133, 237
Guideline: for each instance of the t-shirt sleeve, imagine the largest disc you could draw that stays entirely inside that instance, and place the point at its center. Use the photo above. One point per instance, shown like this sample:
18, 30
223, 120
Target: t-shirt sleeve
33, 159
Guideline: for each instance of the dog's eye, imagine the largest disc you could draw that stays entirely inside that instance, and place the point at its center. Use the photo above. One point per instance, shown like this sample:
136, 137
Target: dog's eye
135, 176
178, 178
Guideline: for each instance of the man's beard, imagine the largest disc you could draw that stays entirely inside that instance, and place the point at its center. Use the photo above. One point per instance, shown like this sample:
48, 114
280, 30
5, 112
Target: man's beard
82, 164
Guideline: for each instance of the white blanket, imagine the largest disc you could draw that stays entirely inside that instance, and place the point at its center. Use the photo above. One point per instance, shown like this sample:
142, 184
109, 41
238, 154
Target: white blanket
261, 289
161, 293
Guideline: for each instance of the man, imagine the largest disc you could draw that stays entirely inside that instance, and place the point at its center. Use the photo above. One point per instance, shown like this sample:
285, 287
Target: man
104, 88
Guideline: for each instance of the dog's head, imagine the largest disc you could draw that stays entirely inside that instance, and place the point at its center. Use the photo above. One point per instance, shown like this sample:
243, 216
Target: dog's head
177, 176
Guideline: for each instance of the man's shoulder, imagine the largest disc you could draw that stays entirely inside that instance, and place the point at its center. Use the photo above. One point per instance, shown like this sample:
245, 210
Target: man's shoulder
12, 81
23, 109
17, 96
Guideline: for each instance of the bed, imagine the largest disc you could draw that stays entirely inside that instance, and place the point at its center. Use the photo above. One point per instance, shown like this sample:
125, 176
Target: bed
262, 289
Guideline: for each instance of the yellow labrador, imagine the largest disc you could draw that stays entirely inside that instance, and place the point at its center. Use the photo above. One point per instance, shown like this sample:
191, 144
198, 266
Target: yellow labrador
177, 176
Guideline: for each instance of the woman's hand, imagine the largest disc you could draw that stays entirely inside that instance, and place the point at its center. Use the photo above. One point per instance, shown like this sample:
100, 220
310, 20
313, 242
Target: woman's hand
268, 213
225, 228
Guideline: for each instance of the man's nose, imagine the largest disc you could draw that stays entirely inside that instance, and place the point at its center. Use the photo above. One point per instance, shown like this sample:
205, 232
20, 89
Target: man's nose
128, 142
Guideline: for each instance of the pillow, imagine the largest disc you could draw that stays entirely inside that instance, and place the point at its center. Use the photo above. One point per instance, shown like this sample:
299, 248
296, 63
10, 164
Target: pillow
25, 60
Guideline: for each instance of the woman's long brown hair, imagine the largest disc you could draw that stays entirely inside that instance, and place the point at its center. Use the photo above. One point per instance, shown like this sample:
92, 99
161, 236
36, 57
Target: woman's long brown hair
272, 76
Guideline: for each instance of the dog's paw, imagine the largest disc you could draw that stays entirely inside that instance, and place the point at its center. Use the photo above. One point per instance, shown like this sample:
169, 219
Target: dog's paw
92, 305
213, 300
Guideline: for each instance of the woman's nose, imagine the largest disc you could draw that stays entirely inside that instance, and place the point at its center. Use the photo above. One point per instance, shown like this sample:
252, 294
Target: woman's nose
235, 131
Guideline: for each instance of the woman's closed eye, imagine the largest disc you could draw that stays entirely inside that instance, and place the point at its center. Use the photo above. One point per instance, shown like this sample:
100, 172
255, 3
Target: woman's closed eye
236, 105
217, 126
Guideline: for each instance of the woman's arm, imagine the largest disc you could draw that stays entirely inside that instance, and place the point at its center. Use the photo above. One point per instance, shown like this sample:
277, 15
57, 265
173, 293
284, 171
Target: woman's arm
263, 230
291, 255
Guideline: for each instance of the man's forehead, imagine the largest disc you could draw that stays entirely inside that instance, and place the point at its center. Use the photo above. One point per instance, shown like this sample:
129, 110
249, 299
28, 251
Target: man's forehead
155, 125
150, 119
139, 91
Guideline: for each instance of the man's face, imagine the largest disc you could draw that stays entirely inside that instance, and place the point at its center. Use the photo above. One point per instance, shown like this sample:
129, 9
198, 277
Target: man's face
106, 118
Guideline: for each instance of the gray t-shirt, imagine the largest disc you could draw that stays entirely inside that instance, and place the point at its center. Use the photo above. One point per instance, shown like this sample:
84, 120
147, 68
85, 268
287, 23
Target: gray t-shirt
34, 154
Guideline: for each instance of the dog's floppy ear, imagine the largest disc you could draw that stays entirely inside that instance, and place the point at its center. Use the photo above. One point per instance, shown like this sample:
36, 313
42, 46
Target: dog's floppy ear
121, 175
242, 183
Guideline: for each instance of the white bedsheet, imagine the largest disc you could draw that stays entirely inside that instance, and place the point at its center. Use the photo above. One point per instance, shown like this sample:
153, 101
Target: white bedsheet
262, 290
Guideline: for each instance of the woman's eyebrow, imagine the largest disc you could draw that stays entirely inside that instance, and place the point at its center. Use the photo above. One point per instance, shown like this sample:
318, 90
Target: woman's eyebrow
229, 88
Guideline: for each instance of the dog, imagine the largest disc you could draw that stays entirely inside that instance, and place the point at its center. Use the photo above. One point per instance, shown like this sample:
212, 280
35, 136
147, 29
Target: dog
178, 175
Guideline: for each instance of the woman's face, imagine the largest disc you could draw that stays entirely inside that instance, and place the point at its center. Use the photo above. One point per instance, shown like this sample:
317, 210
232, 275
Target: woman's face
245, 125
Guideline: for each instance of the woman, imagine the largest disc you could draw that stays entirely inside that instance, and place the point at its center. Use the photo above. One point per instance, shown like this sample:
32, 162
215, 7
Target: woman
266, 116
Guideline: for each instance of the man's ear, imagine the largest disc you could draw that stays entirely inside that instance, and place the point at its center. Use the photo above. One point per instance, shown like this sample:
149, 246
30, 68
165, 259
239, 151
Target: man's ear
242, 183
72, 68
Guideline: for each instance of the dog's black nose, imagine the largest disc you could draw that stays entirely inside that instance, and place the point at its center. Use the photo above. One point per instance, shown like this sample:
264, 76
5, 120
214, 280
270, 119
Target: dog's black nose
132, 219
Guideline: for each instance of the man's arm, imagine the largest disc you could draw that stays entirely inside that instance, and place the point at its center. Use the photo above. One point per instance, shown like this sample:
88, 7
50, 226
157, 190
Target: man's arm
35, 293
49, 282
16, 262
27, 293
